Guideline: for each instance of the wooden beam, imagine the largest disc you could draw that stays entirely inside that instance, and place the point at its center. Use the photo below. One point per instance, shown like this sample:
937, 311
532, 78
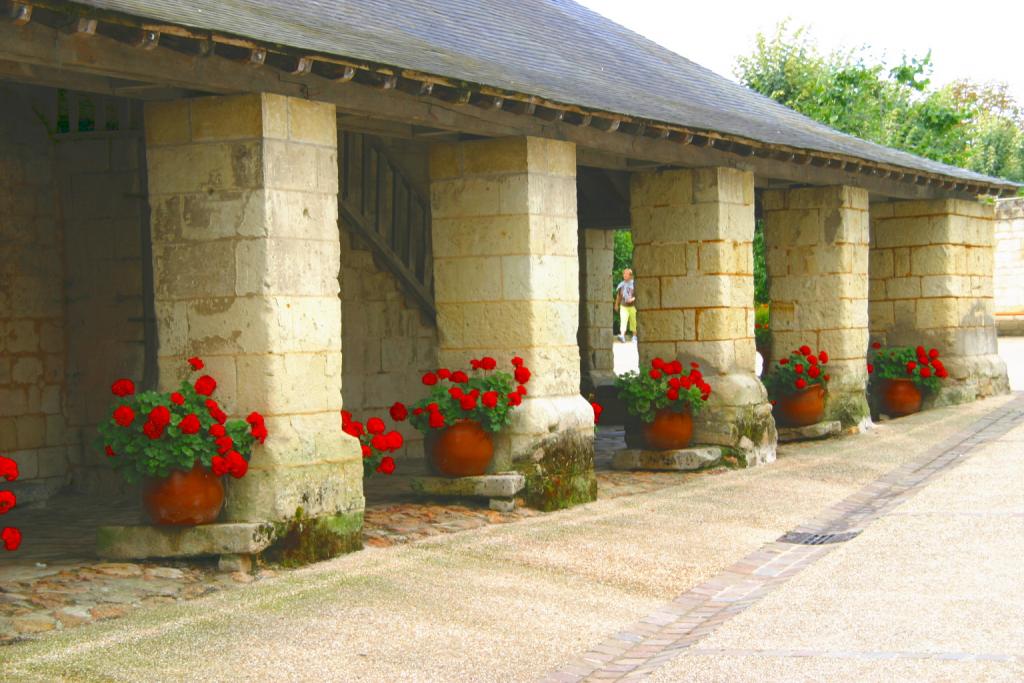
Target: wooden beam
19, 13
147, 40
82, 27
42, 45
606, 125
549, 114
520, 107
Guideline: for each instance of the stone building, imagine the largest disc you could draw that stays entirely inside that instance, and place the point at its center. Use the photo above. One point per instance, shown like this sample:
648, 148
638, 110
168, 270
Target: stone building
325, 200
1009, 272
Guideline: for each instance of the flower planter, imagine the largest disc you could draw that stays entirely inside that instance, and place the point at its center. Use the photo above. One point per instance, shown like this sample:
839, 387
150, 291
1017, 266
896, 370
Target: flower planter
671, 430
801, 408
899, 397
184, 498
464, 449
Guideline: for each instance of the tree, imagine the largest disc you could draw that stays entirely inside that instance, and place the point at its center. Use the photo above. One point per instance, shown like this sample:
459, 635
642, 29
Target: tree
976, 126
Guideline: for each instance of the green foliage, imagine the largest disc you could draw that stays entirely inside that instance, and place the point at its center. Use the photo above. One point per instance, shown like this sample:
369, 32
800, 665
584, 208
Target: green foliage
964, 124
801, 369
762, 331
760, 266
663, 386
446, 397
923, 368
137, 455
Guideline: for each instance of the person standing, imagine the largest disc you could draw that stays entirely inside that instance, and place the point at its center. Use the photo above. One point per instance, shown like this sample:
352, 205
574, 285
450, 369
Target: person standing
625, 304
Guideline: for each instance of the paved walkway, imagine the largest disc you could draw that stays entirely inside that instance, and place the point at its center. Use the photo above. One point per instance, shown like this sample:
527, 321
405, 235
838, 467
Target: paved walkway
927, 591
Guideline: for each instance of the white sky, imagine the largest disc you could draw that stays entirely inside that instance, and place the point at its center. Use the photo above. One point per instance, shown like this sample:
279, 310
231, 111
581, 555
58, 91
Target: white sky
982, 41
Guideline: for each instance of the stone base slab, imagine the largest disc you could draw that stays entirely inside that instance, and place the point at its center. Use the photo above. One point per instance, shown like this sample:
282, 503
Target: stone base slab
500, 488
142, 542
820, 430
682, 460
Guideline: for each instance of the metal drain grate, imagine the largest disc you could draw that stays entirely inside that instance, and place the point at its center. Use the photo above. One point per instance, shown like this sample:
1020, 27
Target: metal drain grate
804, 538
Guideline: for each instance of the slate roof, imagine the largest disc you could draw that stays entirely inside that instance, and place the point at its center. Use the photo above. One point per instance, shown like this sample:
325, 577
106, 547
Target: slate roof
554, 49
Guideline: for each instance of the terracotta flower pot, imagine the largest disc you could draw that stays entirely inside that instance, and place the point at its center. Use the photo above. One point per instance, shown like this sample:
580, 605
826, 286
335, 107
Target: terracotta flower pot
899, 397
184, 498
670, 430
464, 449
802, 408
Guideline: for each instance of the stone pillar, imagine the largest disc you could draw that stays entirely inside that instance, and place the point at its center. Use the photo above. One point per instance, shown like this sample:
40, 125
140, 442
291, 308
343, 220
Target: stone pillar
931, 283
506, 280
596, 260
693, 234
816, 241
246, 255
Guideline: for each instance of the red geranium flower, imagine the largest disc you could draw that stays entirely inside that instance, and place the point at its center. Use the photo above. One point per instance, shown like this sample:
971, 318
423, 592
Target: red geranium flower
8, 468
430, 379
11, 537
444, 373
218, 465
823, 356
380, 442
933, 353
455, 392
346, 417
436, 419
123, 415
432, 407
160, 416
224, 444
911, 366
489, 399
353, 428
394, 440
801, 383
109, 451
205, 385
7, 501
655, 374
798, 368
123, 387
522, 374
876, 345
926, 371
871, 368
488, 363
676, 367
783, 361
459, 377
673, 394
387, 465
259, 432
805, 350
521, 390
217, 430
597, 411
398, 411
237, 465
189, 424
828, 377
515, 398
657, 363
196, 362
814, 371
694, 364
467, 402
152, 430
177, 398
215, 411
942, 373
375, 425
517, 361
367, 451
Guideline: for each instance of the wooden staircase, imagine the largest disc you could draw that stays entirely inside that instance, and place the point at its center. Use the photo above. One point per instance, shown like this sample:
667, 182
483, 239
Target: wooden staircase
379, 203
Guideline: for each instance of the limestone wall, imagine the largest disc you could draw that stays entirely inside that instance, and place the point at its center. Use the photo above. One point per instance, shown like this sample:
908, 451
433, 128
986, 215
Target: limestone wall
1009, 273
102, 209
931, 268
388, 344
33, 429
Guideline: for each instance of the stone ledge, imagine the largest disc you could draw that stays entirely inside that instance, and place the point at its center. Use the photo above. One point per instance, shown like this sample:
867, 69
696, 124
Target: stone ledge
501, 485
820, 430
141, 542
682, 460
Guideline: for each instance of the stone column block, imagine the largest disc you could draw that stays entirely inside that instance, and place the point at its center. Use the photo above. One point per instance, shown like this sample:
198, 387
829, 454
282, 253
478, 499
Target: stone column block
816, 240
506, 264
931, 272
693, 232
246, 262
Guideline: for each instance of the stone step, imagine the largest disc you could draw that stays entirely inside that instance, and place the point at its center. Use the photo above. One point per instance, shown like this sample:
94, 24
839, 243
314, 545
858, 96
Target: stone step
820, 430
499, 485
141, 542
682, 460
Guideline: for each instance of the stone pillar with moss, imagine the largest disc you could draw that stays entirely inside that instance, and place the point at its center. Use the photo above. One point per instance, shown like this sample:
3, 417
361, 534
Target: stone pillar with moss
931, 270
693, 232
506, 280
243, 191
816, 242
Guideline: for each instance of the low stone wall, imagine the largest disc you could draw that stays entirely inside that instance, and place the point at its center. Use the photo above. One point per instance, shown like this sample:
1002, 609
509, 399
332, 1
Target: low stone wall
1009, 272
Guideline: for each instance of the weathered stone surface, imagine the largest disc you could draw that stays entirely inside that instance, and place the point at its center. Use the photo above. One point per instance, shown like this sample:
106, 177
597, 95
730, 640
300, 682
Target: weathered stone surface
139, 542
679, 460
498, 485
820, 430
